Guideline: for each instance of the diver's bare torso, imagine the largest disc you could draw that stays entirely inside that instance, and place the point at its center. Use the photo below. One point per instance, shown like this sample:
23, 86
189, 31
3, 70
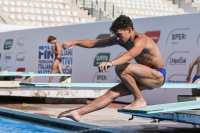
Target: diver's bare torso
56, 49
150, 55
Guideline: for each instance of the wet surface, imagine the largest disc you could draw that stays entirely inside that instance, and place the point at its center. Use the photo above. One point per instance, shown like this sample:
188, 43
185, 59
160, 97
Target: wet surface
106, 118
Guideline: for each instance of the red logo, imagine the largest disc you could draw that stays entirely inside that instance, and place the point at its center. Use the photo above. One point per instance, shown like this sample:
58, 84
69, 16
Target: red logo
20, 70
154, 35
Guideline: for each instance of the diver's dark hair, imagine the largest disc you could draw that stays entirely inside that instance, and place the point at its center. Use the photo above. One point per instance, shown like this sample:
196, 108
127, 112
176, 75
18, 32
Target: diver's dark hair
122, 22
51, 38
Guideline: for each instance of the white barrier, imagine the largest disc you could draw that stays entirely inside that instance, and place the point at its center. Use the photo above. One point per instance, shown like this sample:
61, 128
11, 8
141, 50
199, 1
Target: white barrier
177, 37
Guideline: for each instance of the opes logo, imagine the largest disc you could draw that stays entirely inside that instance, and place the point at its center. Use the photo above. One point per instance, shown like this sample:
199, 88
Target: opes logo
101, 57
7, 57
21, 69
178, 36
154, 35
20, 57
177, 61
8, 44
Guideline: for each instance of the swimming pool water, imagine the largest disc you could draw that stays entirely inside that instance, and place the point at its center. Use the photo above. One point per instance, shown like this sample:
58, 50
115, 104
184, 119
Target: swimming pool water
8, 125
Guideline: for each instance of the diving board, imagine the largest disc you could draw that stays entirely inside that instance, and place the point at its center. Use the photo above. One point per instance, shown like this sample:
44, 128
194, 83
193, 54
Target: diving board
70, 84
187, 116
169, 107
32, 74
7, 72
166, 85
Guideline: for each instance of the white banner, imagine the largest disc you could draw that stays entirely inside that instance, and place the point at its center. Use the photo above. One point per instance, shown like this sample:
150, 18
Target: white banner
177, 37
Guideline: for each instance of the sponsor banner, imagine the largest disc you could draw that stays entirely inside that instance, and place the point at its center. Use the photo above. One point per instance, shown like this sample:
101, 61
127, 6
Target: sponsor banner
178, 36
67, 61
154, 35
8, 44
46, 59
177, 58
20, 43
177, 78
8, 57
20, 57
101, 57
20, 69
101, 77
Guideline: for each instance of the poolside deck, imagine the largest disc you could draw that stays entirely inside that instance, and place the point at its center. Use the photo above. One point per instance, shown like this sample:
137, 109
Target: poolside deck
108, 118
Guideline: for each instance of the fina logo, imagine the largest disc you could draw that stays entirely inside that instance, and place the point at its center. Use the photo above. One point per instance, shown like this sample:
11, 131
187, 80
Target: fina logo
44, 52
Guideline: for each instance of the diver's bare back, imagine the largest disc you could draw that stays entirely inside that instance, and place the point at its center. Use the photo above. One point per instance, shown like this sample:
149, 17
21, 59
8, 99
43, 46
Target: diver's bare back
56, 49
198, 66
150, 55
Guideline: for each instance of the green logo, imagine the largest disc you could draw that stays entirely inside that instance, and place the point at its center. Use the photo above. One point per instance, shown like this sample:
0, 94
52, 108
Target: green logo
8, 44
101, 57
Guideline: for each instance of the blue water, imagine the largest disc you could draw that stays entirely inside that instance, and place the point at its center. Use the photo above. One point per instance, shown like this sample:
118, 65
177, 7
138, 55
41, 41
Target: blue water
8, 125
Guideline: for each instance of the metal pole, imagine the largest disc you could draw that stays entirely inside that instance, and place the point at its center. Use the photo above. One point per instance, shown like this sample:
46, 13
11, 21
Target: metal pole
83, 4
105, 5
113, 12
99, 14
92, 8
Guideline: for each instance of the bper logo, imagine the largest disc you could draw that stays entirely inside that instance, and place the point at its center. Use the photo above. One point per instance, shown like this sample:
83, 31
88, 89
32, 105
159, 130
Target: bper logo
154, 35
101, 77
177, 61
8, 44
180, 36
101, 57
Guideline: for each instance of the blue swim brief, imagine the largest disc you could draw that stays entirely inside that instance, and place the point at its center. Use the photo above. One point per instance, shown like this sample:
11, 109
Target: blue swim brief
163, 71
195, 78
